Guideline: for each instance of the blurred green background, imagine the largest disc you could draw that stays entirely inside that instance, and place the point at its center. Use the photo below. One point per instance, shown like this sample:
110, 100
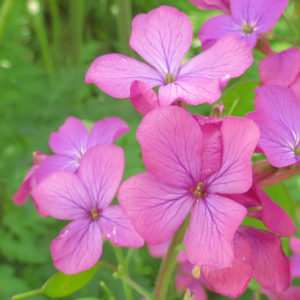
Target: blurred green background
45, 49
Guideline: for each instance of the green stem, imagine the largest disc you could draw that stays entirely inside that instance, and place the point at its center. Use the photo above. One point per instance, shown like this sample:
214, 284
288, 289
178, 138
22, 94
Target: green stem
128, 256
169, 262
28, 294
279, 38
38, 23
107, 265
257, 295
124, 18
56, 29
290, 24
233, 106
121, 262
77, 21
6, 8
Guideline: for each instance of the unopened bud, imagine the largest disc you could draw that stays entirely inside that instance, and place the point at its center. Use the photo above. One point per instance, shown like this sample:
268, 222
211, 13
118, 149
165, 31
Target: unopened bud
196, 272
218, 110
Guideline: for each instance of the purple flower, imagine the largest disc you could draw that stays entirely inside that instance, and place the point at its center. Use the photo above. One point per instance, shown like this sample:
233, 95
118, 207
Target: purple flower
187, 170
277, 112
85, 198
249, 18
73, 139
163, 37
222, 5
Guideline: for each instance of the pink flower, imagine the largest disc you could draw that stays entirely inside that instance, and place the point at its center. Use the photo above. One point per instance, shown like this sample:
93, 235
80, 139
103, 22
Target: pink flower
187, 170
85, 198
295, 258
222, 5
277, 111
163, 37
73, 139
29, 182
257, 253
283, 69
249, 18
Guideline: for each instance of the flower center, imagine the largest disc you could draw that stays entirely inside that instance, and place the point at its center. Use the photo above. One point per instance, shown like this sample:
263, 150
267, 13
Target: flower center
297, 151
198, 192
169, 78
95, 214
247, 29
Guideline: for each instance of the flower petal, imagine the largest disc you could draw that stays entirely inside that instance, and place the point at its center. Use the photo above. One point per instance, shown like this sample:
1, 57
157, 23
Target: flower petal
280, 68
213, 224
155, 209
233, 280
295, 265
162, 37
101, 170
114, 74
271, 268
222, 5
263, 14
106, 131
239, 141
71, 138
229, 57
78, 247
295, 245
171, 142
191, 90
63, 196
117, 228
143, 98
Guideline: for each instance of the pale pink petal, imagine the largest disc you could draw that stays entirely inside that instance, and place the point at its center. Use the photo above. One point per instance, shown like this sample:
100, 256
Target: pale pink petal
159, 251
114, 74
295, 244
295, 265
78, 247
101, 170
71, 138
280, 68
155, 209
239, 138
63, 196
202, 120
222, 5
262, 15
212, 149
55, 163
271, 267
171, 142
229, 57
106, 131
192, 90
213, 224
233, 280
162, 37
117, 228
143, 98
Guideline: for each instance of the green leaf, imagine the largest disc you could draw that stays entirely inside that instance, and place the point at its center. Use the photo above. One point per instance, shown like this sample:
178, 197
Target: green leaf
239, 99
254, 285
60, 284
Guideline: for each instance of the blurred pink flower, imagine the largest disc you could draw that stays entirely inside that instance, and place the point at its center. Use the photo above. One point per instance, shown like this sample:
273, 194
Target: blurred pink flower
222, 5
85, 198
163, 37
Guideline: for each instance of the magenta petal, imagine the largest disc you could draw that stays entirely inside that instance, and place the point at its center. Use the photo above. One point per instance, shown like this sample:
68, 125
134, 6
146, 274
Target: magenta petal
295, 86
213, 224
171, 142
295, 245
233, 280
106, 131
191, 90
101, 170
229, 57
162, 37
63, 196
222, 5
295, 265
70, 139
262, 14
143, 98
78, 247
215, 28
155, 209
280, 68
114, 74
239, 141
117, 228
271, 268
55, 163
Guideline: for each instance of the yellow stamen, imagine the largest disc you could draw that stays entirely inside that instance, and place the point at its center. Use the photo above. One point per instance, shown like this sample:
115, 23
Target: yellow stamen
254, 208
247, 29
169, 78
95, 214
196, 272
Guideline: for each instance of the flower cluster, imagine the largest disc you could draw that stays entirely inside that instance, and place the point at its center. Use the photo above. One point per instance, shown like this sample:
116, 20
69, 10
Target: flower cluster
200, 179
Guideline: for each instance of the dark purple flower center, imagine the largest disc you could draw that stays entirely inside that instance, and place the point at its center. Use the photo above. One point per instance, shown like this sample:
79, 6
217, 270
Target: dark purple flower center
95, 214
